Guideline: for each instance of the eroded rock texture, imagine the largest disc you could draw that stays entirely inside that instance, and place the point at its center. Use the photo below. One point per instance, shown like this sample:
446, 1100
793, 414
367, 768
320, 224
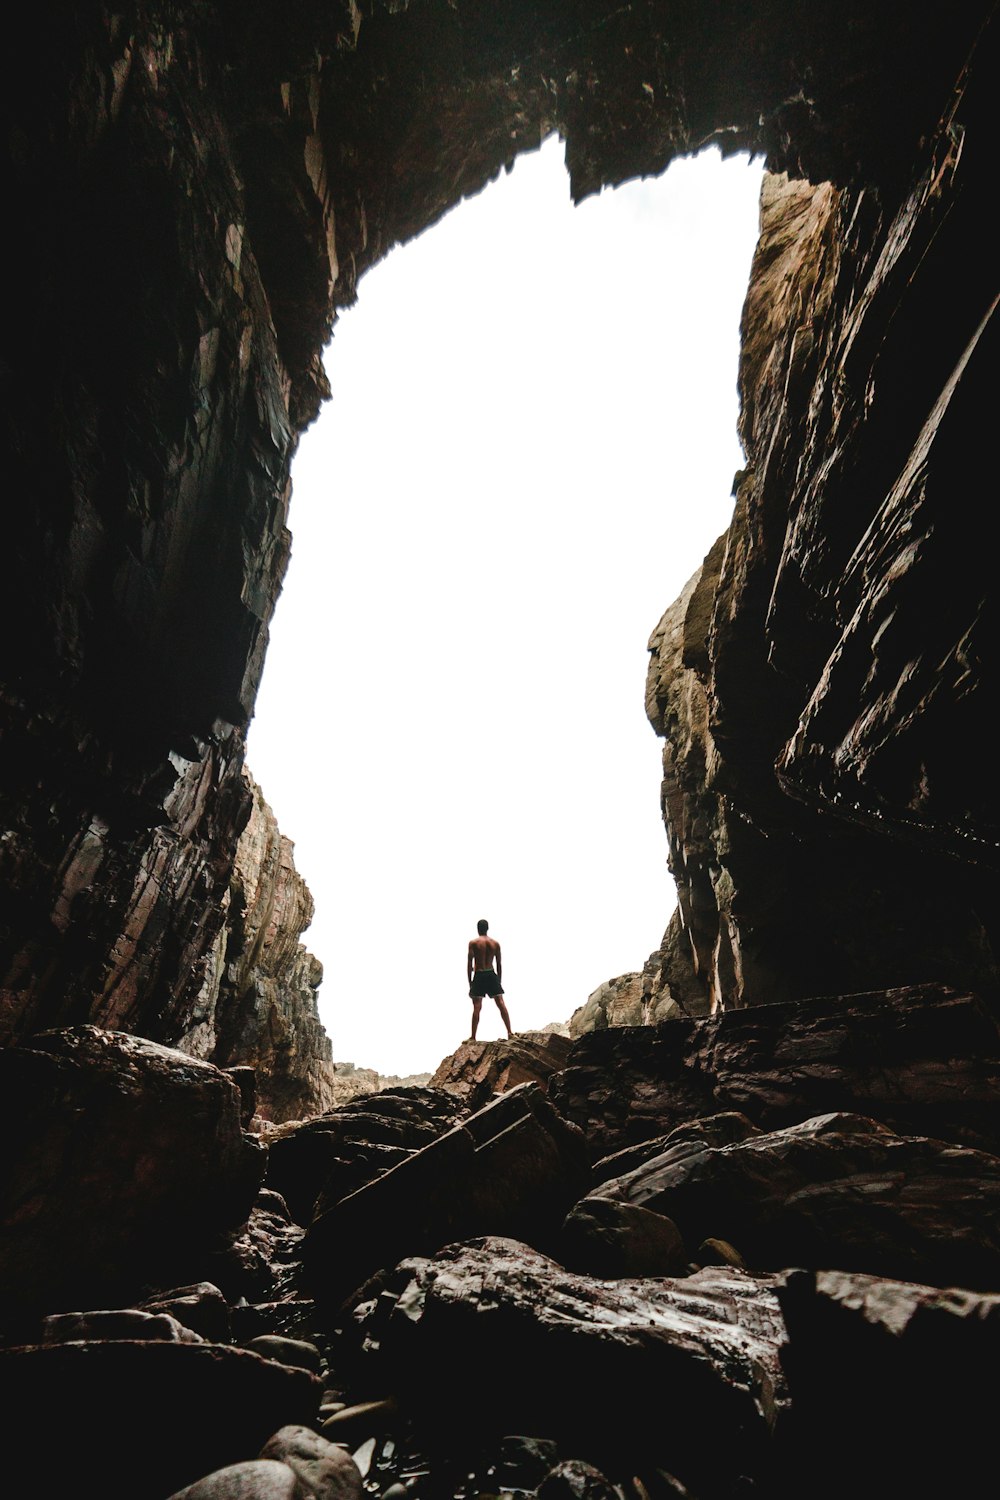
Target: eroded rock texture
258, 1006
832, 824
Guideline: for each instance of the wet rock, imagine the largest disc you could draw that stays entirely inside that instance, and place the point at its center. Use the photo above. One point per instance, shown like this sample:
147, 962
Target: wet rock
255, 1479
322, 1469
681, 1373
523, 1462
356, 1423
514, 1166
835, 1191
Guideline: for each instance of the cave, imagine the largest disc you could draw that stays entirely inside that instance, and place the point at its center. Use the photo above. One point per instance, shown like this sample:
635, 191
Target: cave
196, 192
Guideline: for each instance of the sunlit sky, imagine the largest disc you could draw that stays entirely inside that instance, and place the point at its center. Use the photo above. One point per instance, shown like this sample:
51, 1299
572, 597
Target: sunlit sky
529, 449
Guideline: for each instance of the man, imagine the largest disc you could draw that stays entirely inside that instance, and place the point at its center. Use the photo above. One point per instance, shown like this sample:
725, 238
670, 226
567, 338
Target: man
483, 978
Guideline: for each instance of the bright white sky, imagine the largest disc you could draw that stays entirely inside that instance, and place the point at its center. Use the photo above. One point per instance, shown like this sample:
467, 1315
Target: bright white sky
529, 450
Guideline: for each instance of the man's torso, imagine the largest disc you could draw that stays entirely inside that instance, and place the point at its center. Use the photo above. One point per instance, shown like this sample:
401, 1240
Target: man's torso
484, 950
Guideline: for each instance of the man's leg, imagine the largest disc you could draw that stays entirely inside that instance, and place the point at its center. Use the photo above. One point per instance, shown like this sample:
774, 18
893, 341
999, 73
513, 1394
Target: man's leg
477, 1006
503, 1011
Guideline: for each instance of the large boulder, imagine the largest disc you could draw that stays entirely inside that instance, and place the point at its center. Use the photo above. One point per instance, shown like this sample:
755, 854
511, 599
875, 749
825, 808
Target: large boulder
121, 1157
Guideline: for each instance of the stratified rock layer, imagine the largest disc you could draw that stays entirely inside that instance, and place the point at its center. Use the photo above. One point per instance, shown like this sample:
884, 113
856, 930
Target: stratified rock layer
258, 1006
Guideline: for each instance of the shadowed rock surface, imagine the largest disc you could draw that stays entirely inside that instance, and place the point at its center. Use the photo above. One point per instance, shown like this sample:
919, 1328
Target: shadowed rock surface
196, 193
512, 1168
477, 1071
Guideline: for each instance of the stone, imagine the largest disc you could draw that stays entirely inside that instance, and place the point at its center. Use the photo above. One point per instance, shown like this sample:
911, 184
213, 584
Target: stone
836, 1191
514, 1166
254, 1479
130, 1152
683, 1373
352, 1424
287, 1351
180, 1411
339, 1151
479, 1070
258, 1010
127, 1323
901, 1367
200, 1307
322, 1468
609, 1239
929, 1066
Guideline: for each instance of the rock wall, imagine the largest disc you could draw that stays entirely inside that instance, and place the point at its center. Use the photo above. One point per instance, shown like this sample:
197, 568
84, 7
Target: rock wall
258, 1005
818, 684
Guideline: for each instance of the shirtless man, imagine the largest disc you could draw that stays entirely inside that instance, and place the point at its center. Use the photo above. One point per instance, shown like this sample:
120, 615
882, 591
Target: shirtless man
483, 978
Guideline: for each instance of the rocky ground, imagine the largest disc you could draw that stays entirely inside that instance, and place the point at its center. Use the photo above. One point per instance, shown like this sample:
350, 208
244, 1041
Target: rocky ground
757, 1254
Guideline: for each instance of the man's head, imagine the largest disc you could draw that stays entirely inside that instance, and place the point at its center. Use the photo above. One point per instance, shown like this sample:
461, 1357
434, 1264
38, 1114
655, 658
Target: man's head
482, 927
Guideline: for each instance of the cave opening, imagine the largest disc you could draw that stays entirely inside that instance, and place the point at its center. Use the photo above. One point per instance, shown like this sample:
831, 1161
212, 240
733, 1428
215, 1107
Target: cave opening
529, 449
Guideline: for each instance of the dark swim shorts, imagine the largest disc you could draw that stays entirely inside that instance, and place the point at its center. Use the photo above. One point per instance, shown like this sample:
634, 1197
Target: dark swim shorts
485, 982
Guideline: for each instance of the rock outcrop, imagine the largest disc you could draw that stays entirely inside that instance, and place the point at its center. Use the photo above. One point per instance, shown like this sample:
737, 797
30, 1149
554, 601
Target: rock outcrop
477, 1071
258, 1005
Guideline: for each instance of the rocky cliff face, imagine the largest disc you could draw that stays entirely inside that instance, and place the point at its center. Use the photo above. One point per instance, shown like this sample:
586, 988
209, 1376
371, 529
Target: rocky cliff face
258, 1007
816, 681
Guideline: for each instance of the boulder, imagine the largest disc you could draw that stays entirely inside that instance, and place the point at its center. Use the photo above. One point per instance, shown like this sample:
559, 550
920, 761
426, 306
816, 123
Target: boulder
130, 1153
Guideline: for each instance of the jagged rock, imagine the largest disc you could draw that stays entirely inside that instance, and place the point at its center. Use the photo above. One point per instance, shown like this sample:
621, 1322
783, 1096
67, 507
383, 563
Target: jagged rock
681, 1373
666, 987
712, 1130
901, 1367
515, 1167
338, 1152
258, 1006
116, 1323
123, 1157
836, 1191
479, 1070
576, 1480
286, 1351
616, 1002
200, 1307
928, 1065
180, 1411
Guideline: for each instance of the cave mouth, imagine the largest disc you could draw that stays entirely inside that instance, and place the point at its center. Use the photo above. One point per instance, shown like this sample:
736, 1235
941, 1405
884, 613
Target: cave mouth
528, 451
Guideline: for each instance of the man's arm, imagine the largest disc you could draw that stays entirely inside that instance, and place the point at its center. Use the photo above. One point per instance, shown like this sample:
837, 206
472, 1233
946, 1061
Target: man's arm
469, 966
499, 966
